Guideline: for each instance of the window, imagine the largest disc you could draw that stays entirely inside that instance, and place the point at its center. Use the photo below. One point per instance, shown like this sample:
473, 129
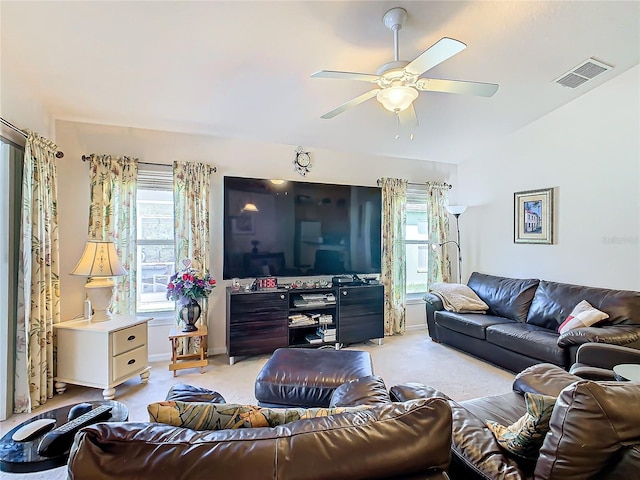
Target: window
417, 249
156, 245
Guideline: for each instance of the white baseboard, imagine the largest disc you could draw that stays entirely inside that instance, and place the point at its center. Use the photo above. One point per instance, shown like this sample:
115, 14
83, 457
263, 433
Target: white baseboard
415, 328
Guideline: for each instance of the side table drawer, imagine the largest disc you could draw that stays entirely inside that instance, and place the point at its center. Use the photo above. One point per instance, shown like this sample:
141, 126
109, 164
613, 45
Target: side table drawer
129, 338
129, 362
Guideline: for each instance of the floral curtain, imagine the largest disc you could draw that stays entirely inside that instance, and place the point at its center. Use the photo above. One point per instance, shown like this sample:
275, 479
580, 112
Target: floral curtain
112, 216
438, 221
38, 277
394, 199
191, 192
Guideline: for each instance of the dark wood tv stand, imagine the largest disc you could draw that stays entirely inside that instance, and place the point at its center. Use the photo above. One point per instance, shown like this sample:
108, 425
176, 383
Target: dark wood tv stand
258, 321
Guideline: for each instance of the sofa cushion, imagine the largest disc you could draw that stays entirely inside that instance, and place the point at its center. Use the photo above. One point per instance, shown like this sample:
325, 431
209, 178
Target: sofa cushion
220, 416
590, 425
529, 340
553, 302
525, 436
505, 408
369, 390
506, 297
471, 324
478, 450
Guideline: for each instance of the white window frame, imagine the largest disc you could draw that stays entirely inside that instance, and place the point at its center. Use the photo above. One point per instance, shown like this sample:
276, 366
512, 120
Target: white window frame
153, 179
424, 249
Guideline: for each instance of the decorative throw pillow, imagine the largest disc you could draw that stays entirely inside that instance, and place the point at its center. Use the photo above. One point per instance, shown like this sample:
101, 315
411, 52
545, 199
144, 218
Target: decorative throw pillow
213, 416
583, 315
524, 437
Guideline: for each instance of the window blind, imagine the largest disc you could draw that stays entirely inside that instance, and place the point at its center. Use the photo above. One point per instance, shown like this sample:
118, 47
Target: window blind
149, 179
417, 196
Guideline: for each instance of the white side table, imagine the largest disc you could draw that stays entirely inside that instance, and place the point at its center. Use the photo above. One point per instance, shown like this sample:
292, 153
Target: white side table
102, 354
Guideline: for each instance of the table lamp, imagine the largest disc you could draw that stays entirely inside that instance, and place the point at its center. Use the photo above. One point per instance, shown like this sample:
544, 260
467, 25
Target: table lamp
100, 263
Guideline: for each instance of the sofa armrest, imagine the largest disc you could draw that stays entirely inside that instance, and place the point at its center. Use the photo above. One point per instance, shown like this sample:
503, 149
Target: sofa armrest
543, 378
605, 355
414, 391
369, 390
433, 303
615, 335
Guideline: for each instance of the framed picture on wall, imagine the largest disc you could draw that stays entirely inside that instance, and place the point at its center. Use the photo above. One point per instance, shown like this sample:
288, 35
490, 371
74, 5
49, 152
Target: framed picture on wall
242, 225
533, 216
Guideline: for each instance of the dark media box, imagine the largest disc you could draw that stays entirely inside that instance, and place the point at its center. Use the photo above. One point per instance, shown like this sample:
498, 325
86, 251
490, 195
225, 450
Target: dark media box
342, 280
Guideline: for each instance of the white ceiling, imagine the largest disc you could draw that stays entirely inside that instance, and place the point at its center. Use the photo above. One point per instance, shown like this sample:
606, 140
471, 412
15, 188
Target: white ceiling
242, 69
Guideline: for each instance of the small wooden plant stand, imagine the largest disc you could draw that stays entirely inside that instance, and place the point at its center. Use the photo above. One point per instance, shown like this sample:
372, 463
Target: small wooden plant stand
180, 361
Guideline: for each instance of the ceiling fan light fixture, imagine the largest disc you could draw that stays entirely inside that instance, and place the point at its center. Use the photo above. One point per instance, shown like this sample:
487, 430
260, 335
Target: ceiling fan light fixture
397, 98
250, 207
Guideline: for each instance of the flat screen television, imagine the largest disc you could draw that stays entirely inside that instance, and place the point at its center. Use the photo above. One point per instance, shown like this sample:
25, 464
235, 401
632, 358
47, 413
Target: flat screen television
288, 228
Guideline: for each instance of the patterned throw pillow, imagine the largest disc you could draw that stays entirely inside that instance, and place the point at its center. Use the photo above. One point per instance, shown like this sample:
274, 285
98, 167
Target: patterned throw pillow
524, 437
213, 416
583, 315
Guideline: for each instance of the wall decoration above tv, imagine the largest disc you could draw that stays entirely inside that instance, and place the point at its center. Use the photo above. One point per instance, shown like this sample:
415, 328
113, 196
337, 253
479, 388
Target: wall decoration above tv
287, 228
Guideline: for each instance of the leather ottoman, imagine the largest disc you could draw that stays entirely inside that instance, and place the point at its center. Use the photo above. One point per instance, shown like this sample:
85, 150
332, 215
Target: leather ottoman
299, 377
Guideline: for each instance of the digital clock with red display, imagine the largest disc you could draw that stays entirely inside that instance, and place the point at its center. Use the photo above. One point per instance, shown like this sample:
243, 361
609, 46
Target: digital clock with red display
266, 283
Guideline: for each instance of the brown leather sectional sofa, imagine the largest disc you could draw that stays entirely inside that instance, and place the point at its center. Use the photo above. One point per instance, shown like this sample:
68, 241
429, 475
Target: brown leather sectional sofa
594, 429
594, 434
520, 327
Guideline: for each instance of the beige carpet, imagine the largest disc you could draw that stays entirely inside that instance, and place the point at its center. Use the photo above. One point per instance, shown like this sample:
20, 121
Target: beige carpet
411, 357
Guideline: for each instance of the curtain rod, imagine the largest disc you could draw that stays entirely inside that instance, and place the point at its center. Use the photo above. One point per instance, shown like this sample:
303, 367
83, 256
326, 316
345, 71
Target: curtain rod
59, 154
444, 184
168, 165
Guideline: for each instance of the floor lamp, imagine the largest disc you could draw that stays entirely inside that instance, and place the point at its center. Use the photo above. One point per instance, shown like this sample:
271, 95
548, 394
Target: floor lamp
456, 211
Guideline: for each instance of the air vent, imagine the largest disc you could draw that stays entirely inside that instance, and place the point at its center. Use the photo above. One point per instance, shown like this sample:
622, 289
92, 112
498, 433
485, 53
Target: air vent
582, 73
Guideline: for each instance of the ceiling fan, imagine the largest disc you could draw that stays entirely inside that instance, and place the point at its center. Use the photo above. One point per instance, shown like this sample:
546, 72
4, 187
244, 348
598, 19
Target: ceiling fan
398, 83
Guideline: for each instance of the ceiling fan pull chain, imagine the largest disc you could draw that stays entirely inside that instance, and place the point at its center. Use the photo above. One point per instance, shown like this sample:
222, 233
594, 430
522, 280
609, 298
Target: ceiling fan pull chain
397, 124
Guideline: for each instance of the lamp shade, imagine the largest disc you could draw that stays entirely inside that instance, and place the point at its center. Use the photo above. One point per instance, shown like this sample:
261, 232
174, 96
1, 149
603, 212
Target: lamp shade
99, 259
397, 98
250, 207
456, 209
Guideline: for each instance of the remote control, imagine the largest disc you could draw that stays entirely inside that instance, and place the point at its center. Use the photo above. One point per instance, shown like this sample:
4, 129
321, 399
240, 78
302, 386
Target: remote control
28, 432
59, 440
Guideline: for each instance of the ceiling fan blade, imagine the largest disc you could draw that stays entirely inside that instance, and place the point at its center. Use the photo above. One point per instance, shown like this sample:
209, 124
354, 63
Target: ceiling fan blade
437, 53
457, 86
365, 77
351, 103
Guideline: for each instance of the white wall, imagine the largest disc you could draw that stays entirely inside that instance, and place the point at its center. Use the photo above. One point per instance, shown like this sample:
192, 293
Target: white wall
231, 157
589, 151
19, 107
